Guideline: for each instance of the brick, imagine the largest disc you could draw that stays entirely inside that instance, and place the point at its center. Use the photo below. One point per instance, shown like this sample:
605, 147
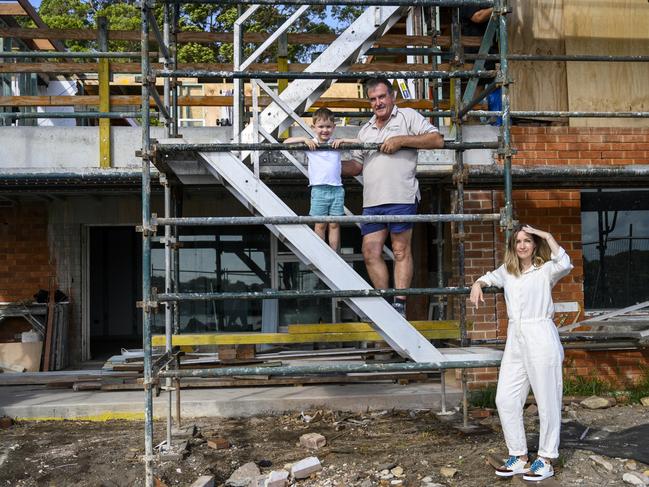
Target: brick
218, 443
313, 441
277, 478
305, 467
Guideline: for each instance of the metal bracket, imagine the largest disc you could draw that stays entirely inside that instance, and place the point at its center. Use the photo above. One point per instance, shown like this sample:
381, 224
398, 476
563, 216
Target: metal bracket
503, 220
144, 155
501, 8
171, 241
151, 229
462, 177
147, 230
147, 306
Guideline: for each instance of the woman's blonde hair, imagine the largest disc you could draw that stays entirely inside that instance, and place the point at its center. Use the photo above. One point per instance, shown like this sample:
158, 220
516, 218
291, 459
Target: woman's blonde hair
540, 256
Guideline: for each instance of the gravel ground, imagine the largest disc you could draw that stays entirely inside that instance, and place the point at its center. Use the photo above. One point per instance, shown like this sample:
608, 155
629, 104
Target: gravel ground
415, 448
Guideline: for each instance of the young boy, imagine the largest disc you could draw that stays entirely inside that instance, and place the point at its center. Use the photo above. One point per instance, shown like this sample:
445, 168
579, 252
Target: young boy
327, 192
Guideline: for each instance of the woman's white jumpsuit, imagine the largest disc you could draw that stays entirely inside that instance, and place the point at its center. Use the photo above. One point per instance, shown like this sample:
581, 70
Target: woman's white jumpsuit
533, 354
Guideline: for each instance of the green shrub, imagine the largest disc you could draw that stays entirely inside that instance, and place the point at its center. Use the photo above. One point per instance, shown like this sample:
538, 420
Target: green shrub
483, 398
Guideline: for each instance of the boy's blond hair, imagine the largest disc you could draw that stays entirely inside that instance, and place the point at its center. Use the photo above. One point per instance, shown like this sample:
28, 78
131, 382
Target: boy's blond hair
323, 114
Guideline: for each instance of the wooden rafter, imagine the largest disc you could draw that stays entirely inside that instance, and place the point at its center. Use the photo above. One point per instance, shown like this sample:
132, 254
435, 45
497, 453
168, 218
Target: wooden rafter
133, 68
195, 101
12, 9
389, 40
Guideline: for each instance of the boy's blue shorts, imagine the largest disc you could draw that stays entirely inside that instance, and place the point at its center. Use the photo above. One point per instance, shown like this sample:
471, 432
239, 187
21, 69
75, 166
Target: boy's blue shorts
389, 209
327, 200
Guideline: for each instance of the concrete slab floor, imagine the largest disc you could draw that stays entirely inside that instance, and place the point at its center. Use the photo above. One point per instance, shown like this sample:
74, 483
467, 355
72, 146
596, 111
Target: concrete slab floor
39, 402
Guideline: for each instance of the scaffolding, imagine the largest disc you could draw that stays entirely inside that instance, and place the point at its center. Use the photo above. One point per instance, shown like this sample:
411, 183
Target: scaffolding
462, 106
166, 366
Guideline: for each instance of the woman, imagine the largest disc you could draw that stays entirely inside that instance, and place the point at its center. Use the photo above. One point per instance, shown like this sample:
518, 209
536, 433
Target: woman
534, 263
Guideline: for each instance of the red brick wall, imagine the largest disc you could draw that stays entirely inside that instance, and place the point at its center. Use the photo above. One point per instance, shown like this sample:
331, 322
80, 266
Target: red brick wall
614, 366
25, 265
580, 145
557, 211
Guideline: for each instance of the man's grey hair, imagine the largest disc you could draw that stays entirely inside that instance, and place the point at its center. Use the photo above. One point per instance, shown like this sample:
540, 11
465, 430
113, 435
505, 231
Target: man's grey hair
372, 83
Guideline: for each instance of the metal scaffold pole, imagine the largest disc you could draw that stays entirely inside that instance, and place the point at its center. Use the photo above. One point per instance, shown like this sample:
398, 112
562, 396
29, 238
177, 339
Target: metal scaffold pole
146, 249
458, 207
501, 9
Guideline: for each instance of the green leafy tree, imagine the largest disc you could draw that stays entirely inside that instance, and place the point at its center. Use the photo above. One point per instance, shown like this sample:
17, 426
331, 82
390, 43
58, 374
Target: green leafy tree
80, 14
125, 14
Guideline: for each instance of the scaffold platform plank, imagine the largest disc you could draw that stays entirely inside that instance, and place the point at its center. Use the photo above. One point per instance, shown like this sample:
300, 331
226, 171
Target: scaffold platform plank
316, 333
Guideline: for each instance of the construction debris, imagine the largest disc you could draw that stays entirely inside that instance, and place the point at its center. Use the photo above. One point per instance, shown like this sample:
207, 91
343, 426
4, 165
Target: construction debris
597, 402
204, 481
244, 476
218, 443
448, 472
185, 432
602, 462
304, 468
313, 441
277, 478
636, 478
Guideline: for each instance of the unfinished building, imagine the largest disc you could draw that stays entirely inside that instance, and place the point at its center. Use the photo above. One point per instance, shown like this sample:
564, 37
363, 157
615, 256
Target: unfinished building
567, 151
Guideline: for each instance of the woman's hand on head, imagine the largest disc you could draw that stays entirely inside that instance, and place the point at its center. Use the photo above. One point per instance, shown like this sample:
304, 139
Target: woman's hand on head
533, 231
476, 296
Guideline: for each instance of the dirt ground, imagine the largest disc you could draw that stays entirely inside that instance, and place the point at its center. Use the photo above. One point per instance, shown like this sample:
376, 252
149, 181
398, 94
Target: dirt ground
360, 451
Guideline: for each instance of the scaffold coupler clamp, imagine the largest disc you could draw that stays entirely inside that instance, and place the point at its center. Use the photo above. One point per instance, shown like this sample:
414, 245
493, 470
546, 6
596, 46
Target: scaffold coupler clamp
460, 176
149, 305
150, 228
506, 223
505, 151
502, 7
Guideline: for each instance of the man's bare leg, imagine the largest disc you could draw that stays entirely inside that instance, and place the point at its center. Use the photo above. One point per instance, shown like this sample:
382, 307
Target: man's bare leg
403, 263
334, 236
373, 255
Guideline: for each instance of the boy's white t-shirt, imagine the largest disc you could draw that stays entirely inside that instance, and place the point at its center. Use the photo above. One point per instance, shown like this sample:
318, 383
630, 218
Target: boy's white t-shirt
324, 167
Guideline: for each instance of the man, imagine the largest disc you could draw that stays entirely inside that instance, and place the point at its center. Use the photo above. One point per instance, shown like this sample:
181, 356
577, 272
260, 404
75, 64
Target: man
474, 24
390, 183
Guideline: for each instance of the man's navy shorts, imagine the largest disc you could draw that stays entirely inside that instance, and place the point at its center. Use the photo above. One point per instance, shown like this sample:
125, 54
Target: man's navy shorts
389, 209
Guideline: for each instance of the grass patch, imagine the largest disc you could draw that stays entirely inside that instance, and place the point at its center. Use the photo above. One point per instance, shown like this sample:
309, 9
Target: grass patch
639, 389
586, 386
630, 392
483, 398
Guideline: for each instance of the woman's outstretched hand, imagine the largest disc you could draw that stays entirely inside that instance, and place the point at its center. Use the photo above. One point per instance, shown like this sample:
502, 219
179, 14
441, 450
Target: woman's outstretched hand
476, 296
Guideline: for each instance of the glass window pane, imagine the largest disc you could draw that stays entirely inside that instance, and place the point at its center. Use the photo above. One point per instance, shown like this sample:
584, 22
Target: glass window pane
218, 259
615, 236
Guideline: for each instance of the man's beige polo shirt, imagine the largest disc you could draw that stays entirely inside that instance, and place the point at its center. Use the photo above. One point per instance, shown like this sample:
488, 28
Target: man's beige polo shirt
391, 178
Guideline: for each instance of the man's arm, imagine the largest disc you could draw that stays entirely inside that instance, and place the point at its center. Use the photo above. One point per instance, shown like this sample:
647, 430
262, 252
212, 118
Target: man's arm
351, 168
481, 16
432, 140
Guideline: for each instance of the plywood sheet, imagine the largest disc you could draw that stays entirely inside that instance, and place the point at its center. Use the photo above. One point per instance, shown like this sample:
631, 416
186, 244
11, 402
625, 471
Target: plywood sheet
536, 27
27, 355
607, 27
